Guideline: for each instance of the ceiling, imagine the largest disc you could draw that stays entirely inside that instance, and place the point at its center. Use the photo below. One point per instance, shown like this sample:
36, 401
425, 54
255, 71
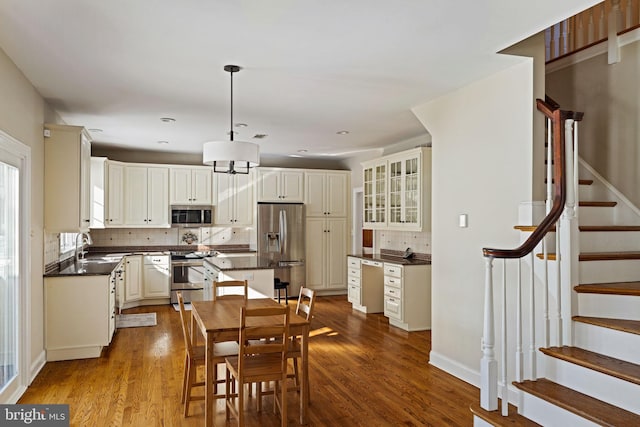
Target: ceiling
310, 68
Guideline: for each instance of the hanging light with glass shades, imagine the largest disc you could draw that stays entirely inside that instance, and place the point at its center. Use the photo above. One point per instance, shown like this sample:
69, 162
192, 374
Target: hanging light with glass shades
231, 156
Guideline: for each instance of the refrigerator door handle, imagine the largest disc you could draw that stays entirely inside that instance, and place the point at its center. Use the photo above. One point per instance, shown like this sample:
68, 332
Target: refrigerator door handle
283, 231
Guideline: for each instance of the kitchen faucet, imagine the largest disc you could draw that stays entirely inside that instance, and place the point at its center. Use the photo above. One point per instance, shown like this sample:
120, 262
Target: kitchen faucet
82, 238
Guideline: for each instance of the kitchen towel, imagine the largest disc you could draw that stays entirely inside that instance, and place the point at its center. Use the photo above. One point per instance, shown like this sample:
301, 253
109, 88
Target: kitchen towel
135, 320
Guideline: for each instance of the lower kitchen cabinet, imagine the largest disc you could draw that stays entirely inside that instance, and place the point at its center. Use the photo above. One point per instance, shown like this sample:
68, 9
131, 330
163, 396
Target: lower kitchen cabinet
365, 285
407, 296
156, 277
79, 316
147, 281
326, 249
132, 278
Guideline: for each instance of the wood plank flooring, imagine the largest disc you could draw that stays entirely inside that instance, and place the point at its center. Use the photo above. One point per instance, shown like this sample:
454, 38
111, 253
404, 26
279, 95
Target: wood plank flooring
363, 372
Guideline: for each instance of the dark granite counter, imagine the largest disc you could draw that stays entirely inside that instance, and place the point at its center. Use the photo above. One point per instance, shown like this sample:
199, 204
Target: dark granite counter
241, 263
385, 257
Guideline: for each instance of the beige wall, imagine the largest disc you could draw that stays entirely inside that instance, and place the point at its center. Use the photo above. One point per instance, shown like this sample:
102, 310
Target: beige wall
482, 166
609, 96
22, 114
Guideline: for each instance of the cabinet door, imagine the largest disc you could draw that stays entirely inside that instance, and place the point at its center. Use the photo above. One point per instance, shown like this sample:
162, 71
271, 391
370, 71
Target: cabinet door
135, 195
336, 250
291, 188
268, 185
158, 197
180, 186
156, 281
115, 196
375, 195
85, 182
225, 199
316, 252
201, 193
315, 196
337, 201
244, 205
133, 278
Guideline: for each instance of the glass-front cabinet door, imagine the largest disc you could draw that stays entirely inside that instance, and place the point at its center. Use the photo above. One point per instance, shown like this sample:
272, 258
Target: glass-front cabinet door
404, 191
375, 194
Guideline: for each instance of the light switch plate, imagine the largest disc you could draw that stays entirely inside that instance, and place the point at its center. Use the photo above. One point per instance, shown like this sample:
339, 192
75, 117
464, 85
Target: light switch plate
463, 221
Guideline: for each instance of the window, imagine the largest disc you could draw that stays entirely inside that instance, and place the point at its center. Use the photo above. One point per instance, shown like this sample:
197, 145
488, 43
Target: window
67, 242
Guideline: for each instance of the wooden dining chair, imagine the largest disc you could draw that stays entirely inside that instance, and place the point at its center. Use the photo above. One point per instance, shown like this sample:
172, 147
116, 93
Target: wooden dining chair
262, 356
239, 288
195, 357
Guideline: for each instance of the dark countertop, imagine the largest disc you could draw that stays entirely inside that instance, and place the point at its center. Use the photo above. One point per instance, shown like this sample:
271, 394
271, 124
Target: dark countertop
241, 263
394, 259
86, 269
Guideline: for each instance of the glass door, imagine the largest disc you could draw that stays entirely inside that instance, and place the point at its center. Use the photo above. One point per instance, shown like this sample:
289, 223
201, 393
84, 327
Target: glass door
9, 277
15, 193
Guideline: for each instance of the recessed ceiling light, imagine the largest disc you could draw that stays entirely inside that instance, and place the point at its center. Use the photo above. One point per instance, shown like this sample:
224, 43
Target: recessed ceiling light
302, 151
167, 119
241, 125
343, 132
163, 142
94, 130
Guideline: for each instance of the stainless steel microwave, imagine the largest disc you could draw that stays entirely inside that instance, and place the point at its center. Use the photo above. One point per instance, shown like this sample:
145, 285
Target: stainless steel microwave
191, 216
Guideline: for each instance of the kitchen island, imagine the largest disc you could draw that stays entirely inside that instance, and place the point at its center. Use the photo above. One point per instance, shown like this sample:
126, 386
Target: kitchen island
257, 271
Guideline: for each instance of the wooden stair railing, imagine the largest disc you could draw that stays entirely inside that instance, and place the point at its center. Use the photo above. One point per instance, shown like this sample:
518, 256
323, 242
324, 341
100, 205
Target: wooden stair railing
560, 125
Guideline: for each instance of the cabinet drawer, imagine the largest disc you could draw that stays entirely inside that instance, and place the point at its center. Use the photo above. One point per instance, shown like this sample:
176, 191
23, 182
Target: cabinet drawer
371, 263
393, 307
354, 272
392, 281
392, 292
156, 260
354, 294
355, 281
394, 270
353, 262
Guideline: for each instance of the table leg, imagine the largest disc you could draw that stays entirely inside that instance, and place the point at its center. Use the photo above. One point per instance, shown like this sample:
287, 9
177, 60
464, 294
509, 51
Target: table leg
304, 387
210, 368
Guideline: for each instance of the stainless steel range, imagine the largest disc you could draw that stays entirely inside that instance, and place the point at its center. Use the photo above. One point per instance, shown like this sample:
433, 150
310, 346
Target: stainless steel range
187, 275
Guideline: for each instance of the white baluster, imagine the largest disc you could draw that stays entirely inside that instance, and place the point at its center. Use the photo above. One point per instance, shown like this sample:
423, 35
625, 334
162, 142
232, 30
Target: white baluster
545, 292
519, 354
545, 247
558, 287
570, 204
488, 364
576, 171
532, 324
503, 361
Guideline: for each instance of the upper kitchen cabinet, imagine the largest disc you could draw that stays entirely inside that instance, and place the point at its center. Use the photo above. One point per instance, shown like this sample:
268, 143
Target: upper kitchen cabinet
234, 199
107, 193
146, 196
397, 191
375, 194
190, 186
326, 193
67, 174
280, 185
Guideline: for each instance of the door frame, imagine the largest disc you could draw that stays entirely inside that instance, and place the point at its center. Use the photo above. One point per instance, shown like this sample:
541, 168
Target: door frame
357, 221
22, 151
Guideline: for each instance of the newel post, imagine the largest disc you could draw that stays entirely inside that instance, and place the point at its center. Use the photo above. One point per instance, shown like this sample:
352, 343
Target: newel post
488, 364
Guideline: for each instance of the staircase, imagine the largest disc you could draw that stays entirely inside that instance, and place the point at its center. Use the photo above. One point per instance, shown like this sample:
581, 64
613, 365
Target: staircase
593, 376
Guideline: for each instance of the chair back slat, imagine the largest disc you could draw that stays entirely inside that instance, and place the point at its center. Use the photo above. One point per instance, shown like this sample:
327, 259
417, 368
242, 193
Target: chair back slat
239, 286
263, 330
185, 324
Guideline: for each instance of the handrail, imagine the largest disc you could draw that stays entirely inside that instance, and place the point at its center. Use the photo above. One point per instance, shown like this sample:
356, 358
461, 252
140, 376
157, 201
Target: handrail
557, 116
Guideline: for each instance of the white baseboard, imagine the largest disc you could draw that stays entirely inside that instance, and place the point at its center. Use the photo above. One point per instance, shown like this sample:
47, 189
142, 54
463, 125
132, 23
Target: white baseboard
454, 368
37, 365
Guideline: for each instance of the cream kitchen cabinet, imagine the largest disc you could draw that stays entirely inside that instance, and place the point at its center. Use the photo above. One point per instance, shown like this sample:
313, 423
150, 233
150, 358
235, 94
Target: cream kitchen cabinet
407, 296
326, 249
191, 186
79, 316
156, 276
132, 279
280, 185
234, 203
146, 196
374, 181
409, 197
326, 193
67, 176
115, 194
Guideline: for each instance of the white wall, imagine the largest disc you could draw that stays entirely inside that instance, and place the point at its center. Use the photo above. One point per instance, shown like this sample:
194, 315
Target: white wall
22, 114
482, 166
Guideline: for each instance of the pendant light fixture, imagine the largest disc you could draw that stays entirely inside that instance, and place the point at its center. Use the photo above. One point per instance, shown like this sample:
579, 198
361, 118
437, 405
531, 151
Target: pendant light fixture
231, 156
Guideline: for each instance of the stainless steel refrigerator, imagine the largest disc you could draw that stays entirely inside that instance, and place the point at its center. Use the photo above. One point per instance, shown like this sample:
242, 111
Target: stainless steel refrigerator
281, 239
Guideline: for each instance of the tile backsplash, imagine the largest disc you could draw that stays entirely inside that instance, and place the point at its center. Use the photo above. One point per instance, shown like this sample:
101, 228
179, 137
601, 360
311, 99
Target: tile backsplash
400, 240
170, 236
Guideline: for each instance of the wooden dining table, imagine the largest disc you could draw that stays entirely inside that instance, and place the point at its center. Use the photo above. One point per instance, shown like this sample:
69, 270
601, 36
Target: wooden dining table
219, 321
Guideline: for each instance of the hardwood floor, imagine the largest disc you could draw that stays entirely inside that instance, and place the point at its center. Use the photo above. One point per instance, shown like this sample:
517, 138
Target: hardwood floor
362, 373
